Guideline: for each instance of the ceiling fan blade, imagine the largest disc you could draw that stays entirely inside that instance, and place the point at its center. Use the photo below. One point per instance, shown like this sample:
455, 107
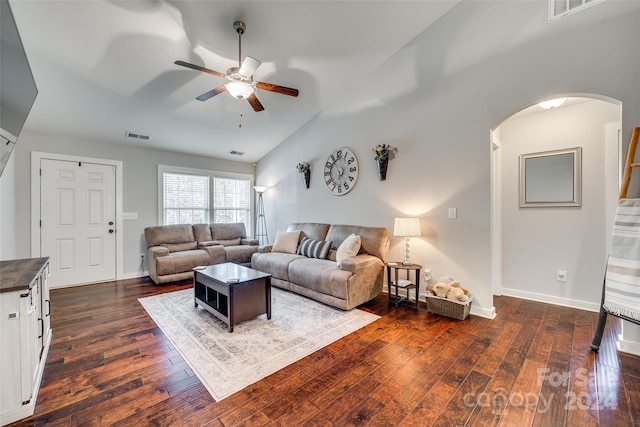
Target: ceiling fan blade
278, 89
199, 68
255, 103
212, 93
249, 66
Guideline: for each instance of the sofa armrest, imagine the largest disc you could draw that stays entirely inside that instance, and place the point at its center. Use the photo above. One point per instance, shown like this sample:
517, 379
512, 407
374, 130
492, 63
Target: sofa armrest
249, 241
265, 249
157, 251
217, 254
359, 262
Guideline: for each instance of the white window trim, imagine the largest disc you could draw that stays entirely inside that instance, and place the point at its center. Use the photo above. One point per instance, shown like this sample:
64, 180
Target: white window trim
162, 169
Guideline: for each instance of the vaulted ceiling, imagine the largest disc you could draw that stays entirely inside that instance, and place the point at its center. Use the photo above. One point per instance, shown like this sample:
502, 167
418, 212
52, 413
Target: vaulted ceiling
104, 68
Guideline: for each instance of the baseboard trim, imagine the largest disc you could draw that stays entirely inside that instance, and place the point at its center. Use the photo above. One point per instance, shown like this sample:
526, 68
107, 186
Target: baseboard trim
565, 302
630, 347
475, 310
135, 275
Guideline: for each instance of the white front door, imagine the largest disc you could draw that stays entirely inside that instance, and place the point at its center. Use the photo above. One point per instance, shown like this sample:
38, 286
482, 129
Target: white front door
78, 213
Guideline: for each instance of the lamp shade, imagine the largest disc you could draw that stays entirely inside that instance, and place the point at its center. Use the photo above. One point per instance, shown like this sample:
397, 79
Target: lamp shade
240, 90
406, 227
260, 188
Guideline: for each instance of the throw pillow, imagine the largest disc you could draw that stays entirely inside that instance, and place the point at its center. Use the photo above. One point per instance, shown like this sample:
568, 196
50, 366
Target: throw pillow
348, 248
314, 248
286, 241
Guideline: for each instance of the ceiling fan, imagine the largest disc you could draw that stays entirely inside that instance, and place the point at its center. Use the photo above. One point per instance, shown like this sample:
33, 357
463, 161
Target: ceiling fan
241, 84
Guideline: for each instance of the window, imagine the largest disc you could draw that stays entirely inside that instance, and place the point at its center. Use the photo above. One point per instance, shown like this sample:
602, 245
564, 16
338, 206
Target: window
186, 199
192, 196
231, 200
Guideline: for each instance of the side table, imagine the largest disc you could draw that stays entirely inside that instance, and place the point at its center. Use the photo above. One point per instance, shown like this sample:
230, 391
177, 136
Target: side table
392, 272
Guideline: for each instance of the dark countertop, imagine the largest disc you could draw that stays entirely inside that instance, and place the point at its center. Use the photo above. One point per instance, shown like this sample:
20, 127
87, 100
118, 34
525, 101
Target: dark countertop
18, 274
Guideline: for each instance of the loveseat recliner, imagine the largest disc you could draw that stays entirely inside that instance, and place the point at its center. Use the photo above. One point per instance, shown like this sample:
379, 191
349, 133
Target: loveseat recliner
174, 250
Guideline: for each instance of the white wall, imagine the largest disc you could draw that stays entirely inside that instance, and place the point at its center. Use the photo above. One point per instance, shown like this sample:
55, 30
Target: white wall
140, 182
539, 241
437, 100
8, 215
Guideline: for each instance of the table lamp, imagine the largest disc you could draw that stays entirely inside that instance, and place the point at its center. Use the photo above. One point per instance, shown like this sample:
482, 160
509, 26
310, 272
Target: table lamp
407, 228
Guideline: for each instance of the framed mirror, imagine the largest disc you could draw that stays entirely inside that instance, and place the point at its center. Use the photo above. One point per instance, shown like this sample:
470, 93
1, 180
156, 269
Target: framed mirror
551, 178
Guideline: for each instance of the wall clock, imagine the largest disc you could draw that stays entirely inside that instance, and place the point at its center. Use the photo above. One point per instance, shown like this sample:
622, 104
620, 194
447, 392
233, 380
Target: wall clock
341, 171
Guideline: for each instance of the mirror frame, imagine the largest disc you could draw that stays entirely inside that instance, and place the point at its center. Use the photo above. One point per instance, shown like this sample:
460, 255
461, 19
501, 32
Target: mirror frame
574, 200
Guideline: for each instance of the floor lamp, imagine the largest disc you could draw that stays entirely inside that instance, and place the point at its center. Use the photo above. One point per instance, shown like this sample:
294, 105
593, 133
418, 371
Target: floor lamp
261, 222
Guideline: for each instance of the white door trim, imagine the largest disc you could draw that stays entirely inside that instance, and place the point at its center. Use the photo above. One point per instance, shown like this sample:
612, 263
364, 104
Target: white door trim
496, 213
36, 157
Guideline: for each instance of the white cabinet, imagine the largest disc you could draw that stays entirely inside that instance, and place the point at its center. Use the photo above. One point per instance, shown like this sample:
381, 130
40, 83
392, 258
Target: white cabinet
25, 334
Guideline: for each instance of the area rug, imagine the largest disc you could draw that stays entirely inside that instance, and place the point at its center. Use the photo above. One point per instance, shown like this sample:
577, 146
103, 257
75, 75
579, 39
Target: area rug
228, 362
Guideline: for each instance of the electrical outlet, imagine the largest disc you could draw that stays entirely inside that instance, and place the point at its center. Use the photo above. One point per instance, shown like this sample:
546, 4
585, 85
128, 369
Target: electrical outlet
453, 213
561, 275
427, 274
141, 257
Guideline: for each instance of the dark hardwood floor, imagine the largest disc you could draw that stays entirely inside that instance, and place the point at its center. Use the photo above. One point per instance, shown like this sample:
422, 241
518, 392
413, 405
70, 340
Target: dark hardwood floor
109, 364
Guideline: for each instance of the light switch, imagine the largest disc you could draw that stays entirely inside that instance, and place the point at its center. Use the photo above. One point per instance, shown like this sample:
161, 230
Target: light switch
453, 213
129, 215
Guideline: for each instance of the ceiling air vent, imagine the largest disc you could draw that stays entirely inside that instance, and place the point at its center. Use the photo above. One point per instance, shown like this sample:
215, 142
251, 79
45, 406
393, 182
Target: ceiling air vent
137, 136
236, 153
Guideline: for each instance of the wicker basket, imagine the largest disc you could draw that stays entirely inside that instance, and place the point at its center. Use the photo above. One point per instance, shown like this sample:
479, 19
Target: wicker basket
447, 307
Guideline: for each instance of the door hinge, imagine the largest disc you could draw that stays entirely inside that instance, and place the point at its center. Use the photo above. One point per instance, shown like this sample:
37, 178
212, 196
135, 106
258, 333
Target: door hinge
40, 223
40, 171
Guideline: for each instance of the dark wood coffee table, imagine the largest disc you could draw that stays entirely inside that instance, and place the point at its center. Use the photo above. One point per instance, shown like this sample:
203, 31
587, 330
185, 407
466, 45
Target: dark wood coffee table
232, 293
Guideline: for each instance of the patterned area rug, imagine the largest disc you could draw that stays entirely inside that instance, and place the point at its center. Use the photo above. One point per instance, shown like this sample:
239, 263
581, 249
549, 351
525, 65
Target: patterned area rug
228, 362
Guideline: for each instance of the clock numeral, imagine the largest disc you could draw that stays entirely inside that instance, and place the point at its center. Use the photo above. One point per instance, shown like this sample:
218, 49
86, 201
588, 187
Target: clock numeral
351, 178
327, 173
346, 186
352, 169
339, 189
328, 165
328, 182
339, 154
351, 160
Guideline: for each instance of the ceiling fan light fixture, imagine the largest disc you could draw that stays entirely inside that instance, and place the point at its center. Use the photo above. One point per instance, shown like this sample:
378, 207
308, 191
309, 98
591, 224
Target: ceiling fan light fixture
552, 103
240, 90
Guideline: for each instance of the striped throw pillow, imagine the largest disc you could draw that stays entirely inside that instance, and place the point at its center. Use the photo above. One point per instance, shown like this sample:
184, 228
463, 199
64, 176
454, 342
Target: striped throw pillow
314, 248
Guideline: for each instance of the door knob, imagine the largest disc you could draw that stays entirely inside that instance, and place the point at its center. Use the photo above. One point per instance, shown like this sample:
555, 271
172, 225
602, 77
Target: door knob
111, 230
110, 222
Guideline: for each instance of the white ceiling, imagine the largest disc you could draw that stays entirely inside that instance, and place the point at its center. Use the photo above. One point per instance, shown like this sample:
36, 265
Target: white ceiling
107, 67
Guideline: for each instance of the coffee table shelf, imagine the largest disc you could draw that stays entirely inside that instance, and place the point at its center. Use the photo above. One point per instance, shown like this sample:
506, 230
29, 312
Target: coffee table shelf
233, 293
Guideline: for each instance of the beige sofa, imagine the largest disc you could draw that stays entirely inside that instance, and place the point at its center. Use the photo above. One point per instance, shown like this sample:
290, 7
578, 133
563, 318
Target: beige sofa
173, 250
353, 282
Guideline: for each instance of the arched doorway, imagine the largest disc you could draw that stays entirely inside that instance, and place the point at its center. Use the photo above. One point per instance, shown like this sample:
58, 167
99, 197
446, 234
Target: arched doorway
532, 245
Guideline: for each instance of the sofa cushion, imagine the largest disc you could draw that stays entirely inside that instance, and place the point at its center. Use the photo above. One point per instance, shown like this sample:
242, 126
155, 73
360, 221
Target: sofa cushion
240, 254
275, 263
181, 261
348, 248
230, 242
286, 241
314, 248
322, 276
221, 232
373, 240
311, 230
160, 235
178, 247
